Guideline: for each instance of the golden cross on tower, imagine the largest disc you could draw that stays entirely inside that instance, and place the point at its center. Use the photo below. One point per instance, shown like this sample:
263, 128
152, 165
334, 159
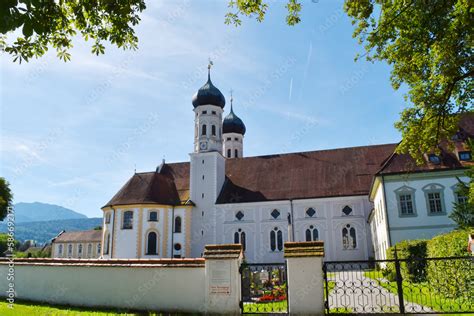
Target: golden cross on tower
231, 98
209, 68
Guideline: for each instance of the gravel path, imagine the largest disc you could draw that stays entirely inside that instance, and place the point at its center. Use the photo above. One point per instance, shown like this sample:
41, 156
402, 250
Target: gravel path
361, 294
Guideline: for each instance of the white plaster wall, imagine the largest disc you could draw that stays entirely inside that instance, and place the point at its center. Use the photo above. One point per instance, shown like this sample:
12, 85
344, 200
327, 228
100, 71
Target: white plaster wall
305, 283
160, 288
236, 142
85, 254
157, 227
214, 142
207, 177
422, 225
125, 239
378, 223
107, 228
257, 224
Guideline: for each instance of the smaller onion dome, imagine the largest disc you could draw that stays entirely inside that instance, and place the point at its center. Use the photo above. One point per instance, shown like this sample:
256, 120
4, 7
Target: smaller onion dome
208, 94
232, 123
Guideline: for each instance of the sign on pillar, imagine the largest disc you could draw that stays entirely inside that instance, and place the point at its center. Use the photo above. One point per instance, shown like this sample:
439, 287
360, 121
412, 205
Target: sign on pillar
223, 278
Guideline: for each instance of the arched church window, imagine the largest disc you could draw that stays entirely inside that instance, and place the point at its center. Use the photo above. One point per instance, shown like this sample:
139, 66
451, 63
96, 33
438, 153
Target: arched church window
213, 130
239, 238
177, 224
89, 249
60, 250
107, 217
312, 234
79, 249
127, 220
152, 248
229, 153
98, 249
236, 153
69, 249
204, 130
276, 239
349, 238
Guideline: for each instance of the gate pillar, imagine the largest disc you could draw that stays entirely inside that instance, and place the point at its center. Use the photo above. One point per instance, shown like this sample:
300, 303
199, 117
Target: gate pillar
305, 277
222, 284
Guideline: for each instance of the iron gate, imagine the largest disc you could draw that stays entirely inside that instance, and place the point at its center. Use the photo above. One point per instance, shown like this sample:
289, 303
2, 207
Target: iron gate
264, 288
406, 286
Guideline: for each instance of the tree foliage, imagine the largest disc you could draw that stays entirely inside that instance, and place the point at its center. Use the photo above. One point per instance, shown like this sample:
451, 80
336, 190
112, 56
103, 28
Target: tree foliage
429, 46
46, 23
6, 198
428, 43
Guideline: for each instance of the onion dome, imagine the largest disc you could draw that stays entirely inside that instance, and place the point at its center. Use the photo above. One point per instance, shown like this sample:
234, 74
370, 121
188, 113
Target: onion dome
208, 94
232, 123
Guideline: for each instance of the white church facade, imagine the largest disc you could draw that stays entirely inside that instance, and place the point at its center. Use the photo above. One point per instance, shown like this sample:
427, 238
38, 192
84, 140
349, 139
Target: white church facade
349, 197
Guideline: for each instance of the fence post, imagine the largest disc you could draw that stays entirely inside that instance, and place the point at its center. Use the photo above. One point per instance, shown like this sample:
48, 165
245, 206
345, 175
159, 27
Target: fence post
401, 302
305, 277
222, 280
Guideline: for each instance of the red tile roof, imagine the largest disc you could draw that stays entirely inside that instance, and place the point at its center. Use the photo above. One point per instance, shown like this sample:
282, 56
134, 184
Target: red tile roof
304, 175
404, 163
337, 172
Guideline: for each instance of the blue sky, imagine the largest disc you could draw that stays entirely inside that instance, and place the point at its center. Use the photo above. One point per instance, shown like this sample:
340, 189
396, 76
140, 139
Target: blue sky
73, 133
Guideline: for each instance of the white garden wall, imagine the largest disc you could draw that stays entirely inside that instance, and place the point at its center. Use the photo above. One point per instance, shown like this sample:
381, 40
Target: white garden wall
162, 287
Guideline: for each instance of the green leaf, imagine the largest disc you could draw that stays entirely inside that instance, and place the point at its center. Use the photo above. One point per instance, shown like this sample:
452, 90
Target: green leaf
27, 29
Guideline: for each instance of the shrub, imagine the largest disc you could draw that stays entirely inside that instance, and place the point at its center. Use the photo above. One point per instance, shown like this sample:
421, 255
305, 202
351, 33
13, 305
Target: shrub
413, 270
452, 278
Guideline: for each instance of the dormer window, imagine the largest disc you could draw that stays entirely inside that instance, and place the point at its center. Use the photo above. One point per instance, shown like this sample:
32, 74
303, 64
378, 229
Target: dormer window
465, 155
434, 159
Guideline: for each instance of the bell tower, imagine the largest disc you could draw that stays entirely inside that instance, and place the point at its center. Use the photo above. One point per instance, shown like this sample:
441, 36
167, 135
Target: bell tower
208, 105
207, 172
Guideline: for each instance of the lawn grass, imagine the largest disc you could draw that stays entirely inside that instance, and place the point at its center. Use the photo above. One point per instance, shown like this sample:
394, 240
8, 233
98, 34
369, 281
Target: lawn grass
269, 307
21, 308
422, 294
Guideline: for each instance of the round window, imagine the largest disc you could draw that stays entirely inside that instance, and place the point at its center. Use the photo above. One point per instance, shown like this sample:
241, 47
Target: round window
177, 247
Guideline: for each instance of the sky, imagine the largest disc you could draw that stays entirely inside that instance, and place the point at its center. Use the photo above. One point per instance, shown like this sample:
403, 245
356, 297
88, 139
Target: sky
73, 133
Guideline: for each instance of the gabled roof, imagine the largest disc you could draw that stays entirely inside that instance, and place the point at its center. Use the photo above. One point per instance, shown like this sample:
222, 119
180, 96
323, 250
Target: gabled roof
304, 175
449, 160
326, 173
80, 236
169, 186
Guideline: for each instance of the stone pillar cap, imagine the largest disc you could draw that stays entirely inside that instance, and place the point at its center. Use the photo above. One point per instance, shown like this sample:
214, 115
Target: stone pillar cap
304, 249
223, 251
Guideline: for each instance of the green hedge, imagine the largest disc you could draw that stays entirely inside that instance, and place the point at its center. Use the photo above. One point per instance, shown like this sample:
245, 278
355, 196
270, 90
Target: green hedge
412, 270
452, 278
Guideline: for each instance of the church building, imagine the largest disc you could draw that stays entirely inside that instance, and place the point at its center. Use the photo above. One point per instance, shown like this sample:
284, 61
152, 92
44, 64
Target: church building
358, 200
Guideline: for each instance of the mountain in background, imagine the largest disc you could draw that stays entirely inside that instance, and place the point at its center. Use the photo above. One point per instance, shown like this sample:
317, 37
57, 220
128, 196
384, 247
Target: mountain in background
35, 212
43, 231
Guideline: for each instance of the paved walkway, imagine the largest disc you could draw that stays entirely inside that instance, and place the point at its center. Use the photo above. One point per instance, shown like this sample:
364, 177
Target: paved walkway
361, 294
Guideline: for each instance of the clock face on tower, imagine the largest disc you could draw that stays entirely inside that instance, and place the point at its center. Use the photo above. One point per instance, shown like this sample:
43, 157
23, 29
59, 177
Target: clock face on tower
203, 145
